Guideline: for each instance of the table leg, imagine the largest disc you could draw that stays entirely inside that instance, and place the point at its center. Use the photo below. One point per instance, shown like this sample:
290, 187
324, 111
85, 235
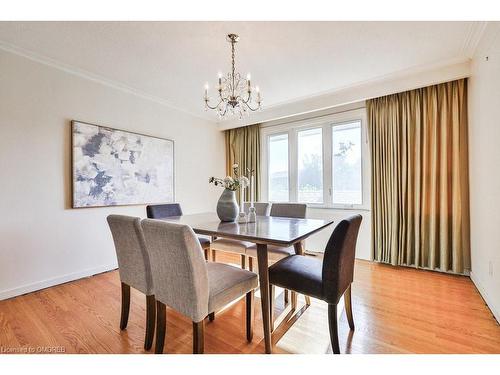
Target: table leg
299, 250
264, 294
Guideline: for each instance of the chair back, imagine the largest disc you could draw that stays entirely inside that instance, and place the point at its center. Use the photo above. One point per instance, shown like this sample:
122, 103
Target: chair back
133, 258
160, 211
338, 260
178, 267
296, 210
261, 208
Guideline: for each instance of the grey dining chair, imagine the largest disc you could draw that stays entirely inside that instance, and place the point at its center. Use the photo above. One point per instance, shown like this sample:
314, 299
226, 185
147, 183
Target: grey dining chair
236, 246
187, 283
162, 211
261, 208
276, 253
134, 269
326, 279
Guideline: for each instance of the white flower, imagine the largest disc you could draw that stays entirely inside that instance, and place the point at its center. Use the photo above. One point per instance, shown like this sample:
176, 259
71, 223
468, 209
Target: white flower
235, 165
244, 181
228, 180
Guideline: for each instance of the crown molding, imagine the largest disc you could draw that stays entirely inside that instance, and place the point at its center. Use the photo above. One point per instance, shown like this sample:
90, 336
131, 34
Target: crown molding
408, 79
473, 37
81, 73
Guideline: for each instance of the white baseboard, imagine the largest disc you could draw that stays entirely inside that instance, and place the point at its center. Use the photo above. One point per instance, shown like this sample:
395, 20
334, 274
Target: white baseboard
9, 293
492, 304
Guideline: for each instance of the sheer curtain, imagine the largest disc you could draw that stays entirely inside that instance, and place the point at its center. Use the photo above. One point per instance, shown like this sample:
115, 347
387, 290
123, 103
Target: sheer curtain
243, 148
420, 188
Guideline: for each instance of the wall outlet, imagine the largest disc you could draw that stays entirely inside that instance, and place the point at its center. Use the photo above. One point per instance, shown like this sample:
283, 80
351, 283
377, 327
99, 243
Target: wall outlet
490, 268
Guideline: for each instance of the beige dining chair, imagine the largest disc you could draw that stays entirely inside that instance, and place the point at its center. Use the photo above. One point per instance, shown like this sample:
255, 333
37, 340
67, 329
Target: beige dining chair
276, 253
187, 283
236, 246
134, 269
163, 211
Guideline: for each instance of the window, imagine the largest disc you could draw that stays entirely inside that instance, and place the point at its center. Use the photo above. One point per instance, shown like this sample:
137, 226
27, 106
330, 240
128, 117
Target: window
346, 163
310, 165
322, 162
278, 168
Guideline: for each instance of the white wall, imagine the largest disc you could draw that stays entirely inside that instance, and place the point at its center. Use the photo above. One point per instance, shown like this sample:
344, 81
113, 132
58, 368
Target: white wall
42, 240
317, 242
484, 141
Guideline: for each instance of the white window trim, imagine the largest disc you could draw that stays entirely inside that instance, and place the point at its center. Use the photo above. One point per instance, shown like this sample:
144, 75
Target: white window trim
326, 123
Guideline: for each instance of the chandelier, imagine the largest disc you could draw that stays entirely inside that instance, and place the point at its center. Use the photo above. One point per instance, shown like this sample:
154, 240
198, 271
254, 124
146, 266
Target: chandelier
235, 94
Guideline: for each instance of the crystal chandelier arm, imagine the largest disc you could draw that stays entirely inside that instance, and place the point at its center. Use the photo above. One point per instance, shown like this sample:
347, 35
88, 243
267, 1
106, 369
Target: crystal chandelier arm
252, 109
248, 99
209, 106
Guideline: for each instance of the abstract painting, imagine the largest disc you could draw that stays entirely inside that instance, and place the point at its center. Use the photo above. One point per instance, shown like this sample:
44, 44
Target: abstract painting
114, 167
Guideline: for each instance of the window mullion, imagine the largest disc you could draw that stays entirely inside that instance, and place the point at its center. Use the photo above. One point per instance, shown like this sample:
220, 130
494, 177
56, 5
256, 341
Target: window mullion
293, 165
327, 165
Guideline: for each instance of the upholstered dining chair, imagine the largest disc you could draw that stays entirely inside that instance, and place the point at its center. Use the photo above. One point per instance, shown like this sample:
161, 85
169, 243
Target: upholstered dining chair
134, 269
236, 246
187, 283
261, 208
327, 280
161, 211
275, 253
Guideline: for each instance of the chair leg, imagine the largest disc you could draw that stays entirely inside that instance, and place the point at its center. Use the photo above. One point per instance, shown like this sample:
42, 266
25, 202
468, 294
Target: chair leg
299, 250
250, 307
150, 321
211, 317
243, 261
348, 307
285, 296
161, 326
250, 264
199, 337
206, 250
125, 306
214, 255
332, 324
294, 299
272, 293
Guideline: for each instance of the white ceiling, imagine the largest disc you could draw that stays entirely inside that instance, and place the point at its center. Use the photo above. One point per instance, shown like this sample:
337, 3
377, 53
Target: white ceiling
171, 61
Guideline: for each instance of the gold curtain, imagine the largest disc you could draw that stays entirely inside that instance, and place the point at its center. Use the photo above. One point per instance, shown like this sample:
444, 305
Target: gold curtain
243, 148
420, 183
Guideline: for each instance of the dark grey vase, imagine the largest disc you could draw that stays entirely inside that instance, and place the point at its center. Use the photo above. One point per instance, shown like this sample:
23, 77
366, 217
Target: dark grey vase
227, 206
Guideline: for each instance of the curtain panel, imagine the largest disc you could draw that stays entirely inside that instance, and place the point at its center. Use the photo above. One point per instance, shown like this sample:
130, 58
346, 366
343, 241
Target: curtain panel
243, 148
420, 183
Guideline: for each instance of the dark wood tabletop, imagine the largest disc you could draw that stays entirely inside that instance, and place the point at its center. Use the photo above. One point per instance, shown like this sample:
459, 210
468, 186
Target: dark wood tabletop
270, 230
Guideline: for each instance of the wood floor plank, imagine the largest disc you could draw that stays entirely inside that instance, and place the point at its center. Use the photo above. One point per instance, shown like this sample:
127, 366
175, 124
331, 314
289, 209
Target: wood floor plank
396, 310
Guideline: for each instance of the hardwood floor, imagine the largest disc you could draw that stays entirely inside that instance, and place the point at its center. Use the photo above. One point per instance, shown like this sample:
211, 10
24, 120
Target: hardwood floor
396, 310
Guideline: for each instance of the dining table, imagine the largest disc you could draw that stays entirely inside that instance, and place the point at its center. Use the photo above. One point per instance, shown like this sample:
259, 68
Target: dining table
265, 231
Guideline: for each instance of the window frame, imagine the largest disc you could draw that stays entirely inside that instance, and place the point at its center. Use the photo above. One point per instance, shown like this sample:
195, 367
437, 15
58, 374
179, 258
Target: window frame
326, 123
